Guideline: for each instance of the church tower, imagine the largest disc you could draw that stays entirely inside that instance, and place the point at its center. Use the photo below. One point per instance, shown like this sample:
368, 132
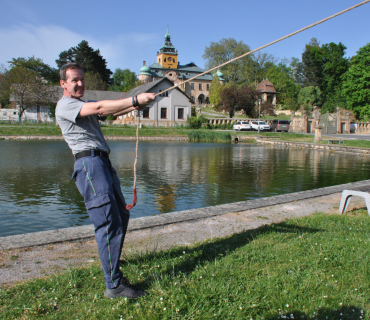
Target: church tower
167, 55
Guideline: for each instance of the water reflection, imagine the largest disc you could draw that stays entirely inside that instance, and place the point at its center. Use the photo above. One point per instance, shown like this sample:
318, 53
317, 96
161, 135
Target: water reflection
36, 192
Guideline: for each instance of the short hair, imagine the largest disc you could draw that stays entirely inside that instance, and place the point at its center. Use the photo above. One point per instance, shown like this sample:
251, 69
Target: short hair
67, 66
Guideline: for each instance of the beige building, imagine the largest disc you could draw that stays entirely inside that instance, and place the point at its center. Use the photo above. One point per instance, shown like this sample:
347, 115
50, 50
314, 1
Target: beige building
168, 65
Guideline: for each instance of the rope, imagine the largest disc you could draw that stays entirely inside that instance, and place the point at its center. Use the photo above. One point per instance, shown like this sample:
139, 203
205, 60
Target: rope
128, 207
134, 200
267, 45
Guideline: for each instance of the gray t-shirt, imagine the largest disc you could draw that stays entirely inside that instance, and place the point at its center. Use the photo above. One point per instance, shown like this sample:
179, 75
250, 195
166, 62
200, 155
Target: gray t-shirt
80, 133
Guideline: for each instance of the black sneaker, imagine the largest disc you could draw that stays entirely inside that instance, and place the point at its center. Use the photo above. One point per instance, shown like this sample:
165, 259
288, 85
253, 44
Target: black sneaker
125, 289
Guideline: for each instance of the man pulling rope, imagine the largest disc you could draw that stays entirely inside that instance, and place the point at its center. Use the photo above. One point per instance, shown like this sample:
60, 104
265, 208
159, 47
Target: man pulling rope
93, 173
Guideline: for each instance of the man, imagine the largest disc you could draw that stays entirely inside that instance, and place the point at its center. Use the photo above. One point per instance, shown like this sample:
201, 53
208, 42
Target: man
93, 173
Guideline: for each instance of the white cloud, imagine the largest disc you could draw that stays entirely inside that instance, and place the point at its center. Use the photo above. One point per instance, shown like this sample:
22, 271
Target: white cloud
46, 42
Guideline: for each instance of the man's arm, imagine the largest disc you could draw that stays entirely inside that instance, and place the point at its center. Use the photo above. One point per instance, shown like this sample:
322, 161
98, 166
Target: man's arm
116, 107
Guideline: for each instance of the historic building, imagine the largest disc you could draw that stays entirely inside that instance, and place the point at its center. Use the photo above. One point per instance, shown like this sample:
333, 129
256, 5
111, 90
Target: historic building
268, 91
168, 65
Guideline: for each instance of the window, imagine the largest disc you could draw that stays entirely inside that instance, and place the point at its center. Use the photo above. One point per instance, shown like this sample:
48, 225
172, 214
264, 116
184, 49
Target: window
159, 60
163, 113
208, 86
174, 60
192, 86
180, 113
146, 112
200, 87
164, 60
192, 99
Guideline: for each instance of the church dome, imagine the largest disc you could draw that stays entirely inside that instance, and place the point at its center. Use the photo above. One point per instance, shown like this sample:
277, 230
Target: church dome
144, 70
220, 75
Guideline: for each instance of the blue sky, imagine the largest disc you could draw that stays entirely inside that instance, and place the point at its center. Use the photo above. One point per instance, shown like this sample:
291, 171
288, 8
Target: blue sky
128, 33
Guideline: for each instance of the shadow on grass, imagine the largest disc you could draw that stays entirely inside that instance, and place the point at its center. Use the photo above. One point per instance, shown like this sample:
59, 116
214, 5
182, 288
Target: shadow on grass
209, 250
345, 313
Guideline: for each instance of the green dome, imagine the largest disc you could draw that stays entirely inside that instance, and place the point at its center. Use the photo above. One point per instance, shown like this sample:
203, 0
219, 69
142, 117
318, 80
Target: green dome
145, 70
220, 75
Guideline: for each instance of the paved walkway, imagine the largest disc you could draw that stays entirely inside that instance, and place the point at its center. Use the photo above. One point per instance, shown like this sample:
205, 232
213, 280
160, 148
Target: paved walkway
43, 253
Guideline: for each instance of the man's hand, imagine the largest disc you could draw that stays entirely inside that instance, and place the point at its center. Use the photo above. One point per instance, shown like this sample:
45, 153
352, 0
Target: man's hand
144, 99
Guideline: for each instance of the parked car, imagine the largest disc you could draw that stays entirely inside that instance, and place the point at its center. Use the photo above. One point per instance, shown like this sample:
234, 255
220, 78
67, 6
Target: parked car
262, 124
242, 125
280, 125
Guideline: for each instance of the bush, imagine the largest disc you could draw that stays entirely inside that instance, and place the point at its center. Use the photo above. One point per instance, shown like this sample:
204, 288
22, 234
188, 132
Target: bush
196, 123
210, 136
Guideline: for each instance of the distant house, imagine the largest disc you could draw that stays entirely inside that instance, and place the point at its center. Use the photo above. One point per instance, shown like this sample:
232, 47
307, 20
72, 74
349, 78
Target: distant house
169, 109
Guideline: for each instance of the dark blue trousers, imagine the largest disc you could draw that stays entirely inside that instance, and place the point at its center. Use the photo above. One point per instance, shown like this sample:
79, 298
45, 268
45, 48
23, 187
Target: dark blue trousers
98, 183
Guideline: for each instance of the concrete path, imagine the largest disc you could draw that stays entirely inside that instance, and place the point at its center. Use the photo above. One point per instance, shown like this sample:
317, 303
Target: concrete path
38, 254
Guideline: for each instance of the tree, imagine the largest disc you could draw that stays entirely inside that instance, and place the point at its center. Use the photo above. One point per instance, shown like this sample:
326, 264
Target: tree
47, 73
215, 91
124, 80
267, 108
297, 71
94, 82
356, 84
282, 78
241, 98
309, 97
225, 50
261, 63
90, 59
26, 88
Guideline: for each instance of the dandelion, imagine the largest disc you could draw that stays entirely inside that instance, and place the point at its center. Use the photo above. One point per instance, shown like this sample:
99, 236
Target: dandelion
340, 303
183, 252
200, 277
161, 299
240, 308
164, 309
332, 275
287, 305
325, 297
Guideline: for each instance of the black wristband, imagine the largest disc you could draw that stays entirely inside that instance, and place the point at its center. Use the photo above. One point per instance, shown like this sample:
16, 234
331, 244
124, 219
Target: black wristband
137, 102
133, 101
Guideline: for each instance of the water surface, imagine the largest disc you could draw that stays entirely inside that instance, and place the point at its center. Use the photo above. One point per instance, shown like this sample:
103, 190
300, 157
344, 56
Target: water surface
36, 192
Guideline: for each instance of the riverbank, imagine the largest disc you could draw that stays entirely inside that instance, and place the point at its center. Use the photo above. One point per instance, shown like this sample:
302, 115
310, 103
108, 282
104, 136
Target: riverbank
249, 261
71, 246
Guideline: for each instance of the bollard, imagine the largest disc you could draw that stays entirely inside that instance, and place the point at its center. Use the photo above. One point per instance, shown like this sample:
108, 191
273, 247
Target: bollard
318, 130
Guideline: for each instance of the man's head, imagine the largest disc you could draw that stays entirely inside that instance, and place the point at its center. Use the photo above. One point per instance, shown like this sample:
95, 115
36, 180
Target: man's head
72, 80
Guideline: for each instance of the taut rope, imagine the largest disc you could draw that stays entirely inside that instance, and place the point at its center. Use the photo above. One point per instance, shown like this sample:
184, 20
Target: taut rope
267, 45
128, 207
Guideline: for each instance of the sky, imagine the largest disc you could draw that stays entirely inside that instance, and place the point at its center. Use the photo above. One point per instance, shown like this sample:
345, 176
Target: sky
130, 32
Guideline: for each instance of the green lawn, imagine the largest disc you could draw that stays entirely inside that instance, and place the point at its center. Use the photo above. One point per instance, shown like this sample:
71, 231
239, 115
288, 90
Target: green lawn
308, 268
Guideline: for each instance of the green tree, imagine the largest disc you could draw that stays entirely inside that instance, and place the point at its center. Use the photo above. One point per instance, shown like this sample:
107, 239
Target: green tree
94, 82
91, 60
225, 50
282, 78
123, 80
297, 71
47, 73
261, 63
26, 88
312, 64
356, 84
215, 91
309, 97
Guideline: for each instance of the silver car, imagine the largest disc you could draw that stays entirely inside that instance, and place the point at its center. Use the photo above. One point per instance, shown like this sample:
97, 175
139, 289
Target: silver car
262, 124
241, 125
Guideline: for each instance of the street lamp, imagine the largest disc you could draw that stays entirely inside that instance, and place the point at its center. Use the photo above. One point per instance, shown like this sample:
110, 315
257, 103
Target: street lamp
259, 112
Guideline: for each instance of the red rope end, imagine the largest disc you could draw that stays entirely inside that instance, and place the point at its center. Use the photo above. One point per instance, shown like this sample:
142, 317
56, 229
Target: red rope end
134, 200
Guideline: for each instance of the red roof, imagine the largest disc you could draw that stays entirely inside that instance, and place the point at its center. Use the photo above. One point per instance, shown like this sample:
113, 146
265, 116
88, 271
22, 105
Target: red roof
266, 86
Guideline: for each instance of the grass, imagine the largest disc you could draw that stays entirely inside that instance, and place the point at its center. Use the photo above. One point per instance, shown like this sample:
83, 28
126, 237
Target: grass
209, 136
308, 268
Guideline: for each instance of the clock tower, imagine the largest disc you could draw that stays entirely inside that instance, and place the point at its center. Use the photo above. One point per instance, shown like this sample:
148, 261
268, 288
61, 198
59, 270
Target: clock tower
167, 55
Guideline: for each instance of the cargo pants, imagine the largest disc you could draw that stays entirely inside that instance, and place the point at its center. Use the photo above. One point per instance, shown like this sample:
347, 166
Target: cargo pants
98, 183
